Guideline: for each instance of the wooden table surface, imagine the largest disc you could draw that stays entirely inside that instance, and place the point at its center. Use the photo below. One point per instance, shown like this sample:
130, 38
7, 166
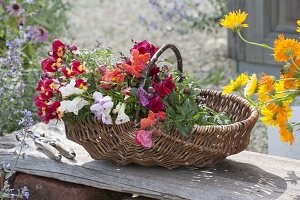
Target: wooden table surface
246, 175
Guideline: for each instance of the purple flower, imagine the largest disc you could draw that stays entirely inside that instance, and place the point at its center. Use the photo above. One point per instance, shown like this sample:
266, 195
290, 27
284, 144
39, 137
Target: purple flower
14, 9
143, 96
102, 107
25, 192
39, 34
27, 120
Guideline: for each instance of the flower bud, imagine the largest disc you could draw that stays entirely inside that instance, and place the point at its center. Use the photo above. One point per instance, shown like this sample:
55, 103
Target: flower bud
165, 68
44, 76
187, 91
166, 74
151, 90
102, 69
72, 47
181, 78
150, 95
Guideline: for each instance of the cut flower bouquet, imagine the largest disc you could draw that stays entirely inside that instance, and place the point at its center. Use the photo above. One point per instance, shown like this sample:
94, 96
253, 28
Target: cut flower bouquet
77, 84
271, 96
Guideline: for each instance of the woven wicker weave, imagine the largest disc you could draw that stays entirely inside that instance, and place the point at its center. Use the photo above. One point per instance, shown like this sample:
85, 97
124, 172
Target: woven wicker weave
205, 146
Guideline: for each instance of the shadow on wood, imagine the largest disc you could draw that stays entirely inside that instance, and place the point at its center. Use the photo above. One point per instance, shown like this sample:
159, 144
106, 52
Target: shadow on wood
246, 175
228, 179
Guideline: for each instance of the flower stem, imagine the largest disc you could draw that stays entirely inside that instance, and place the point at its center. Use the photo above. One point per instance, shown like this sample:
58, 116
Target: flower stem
248, 99
5, 189
253, 43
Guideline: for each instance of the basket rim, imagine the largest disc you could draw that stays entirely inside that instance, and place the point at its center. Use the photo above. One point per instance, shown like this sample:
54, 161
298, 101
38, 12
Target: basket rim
253, 116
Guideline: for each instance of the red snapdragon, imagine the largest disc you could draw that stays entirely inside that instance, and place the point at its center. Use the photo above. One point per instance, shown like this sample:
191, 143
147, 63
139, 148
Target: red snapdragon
47, 111
145, 47
58, 49
163, 88
77, 68
156, 105
80, 83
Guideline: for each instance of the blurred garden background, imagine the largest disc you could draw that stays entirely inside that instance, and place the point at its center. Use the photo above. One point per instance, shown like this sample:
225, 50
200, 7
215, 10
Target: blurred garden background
28, 26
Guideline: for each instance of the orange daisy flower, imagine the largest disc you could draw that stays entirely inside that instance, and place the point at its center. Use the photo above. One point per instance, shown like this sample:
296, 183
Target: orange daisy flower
290, 72
286, 133
285, 49
266, 86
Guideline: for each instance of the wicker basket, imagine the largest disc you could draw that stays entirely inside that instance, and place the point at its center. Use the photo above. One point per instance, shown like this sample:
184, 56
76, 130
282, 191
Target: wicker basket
205, 146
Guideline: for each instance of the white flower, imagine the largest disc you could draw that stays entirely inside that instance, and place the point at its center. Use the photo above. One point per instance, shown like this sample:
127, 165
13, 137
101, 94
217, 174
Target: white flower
122, 117
72, 105
117, 109
70, 89
102, 107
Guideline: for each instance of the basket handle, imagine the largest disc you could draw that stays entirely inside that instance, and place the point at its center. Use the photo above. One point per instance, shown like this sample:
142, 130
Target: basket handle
163, 49
155, 58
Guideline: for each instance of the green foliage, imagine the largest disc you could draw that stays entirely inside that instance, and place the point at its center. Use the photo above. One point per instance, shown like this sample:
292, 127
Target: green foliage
18, 78
183, 110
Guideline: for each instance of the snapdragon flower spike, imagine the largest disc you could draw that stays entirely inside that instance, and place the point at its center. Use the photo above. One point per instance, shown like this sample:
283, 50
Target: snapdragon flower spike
48, 65
144, 138
163, 88
143, 96
145, 47
122, 117
138, 63
154, 71
77, 68
152, 119
81, 84
73, 48
46, 88
127, 91
67, 72
47, 111
156, 105
114, 76
70, 89
58, 49
102, 107
72, 106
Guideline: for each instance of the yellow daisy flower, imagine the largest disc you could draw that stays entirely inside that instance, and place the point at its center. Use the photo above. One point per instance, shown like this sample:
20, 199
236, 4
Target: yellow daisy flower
269, 117
298, 28
279, 88
275, 115
234, 20
237, 84
286, 133
228, 88
251, 86
285, 49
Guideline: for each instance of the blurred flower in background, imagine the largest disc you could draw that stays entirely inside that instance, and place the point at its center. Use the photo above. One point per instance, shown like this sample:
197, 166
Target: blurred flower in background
185, 15
25, 27
14, 9
38, 34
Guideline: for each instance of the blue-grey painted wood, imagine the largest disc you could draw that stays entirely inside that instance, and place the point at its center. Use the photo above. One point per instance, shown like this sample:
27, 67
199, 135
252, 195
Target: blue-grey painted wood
266, 19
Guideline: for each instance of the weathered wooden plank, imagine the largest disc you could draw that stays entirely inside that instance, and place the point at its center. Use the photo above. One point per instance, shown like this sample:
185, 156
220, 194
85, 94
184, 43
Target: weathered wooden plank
243, 176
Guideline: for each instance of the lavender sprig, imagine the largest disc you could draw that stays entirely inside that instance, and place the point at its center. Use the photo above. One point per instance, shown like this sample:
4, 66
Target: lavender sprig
21, 136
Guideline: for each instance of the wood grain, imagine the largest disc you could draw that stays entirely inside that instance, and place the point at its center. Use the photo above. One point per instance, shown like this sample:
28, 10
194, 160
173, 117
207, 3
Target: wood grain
246, 175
